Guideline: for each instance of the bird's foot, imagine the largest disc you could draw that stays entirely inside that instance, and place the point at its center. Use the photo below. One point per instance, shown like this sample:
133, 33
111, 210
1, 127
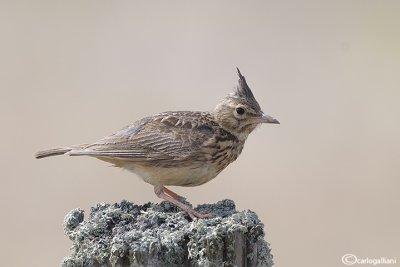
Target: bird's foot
173, 198
198, 215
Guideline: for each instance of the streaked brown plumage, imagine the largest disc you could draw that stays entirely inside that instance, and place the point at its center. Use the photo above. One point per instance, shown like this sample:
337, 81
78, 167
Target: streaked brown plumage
182, 148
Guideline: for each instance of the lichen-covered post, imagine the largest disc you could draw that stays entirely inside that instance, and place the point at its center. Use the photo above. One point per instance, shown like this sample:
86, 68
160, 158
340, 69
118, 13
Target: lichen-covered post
124, 234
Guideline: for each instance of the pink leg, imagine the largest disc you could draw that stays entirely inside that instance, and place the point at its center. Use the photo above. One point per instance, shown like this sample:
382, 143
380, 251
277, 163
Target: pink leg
159, 190
172, 193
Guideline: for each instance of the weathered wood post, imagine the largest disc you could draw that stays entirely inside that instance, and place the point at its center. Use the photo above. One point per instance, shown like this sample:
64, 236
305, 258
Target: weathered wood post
124, 234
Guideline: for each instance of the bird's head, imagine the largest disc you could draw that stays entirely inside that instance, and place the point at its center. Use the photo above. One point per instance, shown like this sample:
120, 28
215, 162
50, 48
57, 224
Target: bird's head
239, 112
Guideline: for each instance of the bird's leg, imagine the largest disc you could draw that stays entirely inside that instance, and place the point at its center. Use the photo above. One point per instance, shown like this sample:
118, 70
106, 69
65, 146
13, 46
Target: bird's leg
173, 194
160, 192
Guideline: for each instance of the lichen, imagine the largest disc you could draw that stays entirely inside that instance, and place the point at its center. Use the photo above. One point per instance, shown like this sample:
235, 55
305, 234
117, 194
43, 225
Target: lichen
125, 234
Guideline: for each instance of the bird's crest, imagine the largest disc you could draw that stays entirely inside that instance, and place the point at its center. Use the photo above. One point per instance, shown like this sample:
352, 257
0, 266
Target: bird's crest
243, 91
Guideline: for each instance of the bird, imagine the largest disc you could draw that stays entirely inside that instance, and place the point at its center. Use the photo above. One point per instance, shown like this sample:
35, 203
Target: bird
179, 148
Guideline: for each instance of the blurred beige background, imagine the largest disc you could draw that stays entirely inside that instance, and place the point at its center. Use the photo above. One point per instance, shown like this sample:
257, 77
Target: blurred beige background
325, 182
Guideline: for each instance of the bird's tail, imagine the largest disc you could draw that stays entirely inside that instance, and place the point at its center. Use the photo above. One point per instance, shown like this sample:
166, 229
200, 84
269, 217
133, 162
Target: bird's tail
52, 152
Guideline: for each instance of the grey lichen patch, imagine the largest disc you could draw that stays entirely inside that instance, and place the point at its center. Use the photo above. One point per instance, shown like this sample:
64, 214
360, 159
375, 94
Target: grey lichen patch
73, 219
125, 234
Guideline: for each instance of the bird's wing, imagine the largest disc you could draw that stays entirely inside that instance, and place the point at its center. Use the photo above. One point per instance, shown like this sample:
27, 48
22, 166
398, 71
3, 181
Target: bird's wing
166, 136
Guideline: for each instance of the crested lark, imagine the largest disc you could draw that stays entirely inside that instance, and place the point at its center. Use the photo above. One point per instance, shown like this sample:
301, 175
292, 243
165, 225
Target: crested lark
182, 148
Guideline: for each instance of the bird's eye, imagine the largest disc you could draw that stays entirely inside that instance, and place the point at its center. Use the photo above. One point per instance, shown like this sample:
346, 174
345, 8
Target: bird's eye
240, 111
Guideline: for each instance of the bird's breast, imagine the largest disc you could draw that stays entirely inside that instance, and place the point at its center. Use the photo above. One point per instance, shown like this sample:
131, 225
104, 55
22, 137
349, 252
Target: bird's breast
226, 153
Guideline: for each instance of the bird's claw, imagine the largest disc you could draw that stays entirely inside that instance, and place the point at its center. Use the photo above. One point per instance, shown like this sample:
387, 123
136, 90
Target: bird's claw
197, 215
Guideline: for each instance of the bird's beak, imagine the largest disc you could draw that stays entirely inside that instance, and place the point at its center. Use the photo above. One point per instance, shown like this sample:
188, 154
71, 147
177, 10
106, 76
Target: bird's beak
269, 119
